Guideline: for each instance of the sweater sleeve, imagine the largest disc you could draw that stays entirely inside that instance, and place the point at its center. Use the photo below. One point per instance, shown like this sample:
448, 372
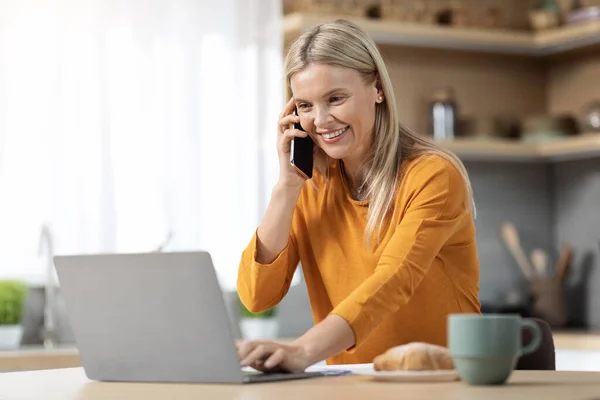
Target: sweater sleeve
437, 206
262, 286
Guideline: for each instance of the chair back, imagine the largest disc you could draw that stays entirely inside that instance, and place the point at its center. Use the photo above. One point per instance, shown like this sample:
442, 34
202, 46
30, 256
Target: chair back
544, 357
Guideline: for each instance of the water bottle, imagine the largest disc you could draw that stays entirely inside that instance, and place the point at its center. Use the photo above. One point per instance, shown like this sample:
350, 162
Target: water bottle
444, 115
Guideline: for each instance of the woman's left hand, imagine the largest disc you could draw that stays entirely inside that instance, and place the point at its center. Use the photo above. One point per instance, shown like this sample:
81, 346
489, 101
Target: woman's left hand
270, 356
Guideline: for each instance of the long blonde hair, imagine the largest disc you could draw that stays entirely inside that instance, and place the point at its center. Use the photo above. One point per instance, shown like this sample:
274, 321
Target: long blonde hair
344, 44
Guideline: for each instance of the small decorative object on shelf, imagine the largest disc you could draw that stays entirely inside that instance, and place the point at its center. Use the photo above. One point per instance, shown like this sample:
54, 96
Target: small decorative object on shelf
492, 14
493, 18
576, 5
444, 114
457, 15
548, 127
355, 8
392, 11
422, 12
591, 117
492, 127
417, 11
545, 15
582, 15
12, 299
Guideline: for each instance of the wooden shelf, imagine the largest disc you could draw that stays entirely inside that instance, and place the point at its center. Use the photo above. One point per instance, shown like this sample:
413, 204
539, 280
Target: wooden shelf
568, 149
546, 43
567, 38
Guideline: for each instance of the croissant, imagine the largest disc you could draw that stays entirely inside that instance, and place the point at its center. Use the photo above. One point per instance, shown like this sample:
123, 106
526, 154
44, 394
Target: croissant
415, 356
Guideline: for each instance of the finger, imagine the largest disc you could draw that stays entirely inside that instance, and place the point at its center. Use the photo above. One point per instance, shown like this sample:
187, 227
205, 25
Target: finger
261, 352
258, 355
259, 366
291, 133
275, 359
246, 348
289, 107
287, 121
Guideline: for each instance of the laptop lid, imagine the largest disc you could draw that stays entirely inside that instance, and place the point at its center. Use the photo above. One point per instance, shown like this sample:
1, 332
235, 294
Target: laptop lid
156, 317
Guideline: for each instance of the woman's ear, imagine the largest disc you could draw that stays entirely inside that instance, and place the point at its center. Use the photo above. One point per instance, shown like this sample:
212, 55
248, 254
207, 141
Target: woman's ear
378, 90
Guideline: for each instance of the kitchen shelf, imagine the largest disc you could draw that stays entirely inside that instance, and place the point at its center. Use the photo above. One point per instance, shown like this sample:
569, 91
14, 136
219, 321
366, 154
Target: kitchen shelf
574, 148
550, 42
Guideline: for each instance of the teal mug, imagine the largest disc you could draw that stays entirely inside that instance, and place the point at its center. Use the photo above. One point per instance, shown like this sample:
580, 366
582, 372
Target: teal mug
485, 348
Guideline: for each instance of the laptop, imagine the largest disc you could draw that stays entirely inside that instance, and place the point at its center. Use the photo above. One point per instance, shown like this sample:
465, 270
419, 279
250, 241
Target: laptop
154, 317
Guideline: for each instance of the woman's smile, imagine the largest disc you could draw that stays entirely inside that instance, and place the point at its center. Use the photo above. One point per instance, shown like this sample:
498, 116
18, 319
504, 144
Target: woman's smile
334, 136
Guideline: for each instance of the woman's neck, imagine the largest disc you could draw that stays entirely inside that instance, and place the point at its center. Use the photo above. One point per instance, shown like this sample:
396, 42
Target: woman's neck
353, 178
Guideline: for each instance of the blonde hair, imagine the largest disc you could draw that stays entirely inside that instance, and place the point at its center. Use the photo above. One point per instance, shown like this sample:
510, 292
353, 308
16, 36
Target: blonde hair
344, 44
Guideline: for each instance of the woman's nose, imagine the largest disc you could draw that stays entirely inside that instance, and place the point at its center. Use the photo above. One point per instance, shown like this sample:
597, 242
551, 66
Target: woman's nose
322, 118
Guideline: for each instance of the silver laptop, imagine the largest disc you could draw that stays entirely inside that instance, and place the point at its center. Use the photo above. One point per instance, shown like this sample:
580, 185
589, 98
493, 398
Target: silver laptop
155, 317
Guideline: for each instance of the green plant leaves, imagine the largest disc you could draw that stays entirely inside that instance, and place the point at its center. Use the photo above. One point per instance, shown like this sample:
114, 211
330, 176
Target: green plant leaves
12, 297
245, 313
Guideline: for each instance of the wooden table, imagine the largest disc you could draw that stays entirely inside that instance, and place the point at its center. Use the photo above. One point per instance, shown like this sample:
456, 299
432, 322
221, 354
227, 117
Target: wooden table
72, 384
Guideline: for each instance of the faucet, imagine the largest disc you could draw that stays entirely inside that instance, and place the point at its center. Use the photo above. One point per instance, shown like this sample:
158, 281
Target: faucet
49, 329
164, 244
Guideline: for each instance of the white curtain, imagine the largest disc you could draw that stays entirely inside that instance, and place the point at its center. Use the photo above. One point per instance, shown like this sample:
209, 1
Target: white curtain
122, 121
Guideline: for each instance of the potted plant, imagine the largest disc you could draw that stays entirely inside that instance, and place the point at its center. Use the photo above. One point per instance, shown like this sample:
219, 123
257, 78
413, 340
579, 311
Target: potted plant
12, 298
261, 325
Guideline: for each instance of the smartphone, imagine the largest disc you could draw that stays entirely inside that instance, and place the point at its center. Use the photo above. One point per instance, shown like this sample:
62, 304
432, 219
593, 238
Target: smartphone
302, 152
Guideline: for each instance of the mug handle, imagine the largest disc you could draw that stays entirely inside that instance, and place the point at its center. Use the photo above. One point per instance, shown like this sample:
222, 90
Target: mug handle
536, 340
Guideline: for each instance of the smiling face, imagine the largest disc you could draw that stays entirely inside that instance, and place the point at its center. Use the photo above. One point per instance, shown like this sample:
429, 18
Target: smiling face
337, 108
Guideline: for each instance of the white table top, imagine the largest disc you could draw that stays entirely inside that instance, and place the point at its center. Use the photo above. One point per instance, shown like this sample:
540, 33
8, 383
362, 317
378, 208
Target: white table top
72, 384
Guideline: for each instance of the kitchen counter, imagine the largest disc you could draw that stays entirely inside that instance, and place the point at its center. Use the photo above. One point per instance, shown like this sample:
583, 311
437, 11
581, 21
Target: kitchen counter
577, 340
29, 358
36, 357
72, 384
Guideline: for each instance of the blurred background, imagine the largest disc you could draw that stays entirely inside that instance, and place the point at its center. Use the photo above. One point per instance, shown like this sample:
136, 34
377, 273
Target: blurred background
136, 126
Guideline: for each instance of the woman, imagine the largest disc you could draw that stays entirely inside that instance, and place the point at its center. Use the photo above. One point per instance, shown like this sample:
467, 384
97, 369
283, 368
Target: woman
384, 229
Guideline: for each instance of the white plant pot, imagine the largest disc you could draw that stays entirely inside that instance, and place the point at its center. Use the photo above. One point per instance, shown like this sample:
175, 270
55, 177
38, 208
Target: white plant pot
10, 336
259, 328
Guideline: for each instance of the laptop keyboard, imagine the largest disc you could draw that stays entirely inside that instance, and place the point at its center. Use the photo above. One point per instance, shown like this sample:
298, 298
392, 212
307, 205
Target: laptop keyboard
257, 377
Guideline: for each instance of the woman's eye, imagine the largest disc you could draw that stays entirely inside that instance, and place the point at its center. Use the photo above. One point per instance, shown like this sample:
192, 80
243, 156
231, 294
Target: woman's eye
335, 99
302, 105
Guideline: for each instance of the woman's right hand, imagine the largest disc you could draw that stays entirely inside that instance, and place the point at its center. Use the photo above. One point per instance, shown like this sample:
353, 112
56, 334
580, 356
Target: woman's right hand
274, 230
288, 175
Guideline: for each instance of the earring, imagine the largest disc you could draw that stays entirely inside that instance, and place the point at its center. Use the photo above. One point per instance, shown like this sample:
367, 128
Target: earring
380, 99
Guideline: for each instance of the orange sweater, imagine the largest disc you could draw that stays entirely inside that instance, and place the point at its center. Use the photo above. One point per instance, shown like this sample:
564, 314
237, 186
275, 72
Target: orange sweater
424, 268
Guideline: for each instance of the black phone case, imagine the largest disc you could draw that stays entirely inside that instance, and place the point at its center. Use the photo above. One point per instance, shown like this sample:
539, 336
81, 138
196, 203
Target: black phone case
301, 153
